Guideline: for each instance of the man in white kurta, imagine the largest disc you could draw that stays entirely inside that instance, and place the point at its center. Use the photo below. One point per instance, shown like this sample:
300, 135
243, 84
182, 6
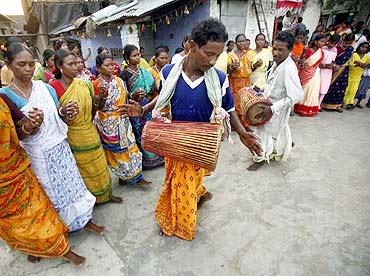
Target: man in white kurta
283, 89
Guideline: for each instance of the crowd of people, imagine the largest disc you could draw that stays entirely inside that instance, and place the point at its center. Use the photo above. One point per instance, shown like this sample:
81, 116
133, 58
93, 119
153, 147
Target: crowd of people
65, 128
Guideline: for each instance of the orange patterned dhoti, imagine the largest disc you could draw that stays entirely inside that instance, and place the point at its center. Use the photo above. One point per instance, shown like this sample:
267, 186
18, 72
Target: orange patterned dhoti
176, 210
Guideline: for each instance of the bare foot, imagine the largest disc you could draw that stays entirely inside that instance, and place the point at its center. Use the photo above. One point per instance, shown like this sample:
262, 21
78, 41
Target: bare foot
116, 199
143, 183
204, 198
74, 258
92, 227
255, 166
33, 259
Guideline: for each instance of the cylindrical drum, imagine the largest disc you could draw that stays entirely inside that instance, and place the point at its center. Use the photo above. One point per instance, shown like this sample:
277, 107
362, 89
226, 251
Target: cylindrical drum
191, 142
251, 105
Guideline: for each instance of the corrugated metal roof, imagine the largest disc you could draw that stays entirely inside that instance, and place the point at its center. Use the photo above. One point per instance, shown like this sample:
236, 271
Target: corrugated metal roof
104, 13
142, 8
64, 29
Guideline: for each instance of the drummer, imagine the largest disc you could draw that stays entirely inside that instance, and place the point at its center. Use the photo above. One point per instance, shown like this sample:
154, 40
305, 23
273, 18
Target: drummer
184, 85
283, 89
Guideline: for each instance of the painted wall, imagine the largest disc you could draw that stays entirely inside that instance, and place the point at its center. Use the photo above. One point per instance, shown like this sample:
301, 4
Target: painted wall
311, 15
146, 40
234, 16
251, 25
173, 34
101, 39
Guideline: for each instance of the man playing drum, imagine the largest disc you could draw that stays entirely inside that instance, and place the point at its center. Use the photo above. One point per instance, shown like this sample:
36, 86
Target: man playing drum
283, 89
197, 93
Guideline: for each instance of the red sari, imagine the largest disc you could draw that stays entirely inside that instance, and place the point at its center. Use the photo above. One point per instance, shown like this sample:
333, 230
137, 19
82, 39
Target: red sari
310, 80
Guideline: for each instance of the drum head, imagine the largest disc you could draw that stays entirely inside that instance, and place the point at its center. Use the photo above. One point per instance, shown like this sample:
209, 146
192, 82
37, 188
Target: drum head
253, 111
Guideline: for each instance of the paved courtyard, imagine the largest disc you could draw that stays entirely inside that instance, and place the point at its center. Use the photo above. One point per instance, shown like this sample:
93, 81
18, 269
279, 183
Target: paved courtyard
307, 216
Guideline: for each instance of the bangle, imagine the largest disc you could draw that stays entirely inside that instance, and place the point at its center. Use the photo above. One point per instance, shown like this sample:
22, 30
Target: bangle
25, 131
60, 112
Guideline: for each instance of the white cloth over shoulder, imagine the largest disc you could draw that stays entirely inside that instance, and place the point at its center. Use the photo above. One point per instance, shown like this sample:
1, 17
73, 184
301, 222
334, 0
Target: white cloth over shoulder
53, 130
283, 89
176, 58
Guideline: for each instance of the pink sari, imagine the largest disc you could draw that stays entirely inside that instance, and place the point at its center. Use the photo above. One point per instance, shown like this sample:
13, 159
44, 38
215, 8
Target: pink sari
310, 80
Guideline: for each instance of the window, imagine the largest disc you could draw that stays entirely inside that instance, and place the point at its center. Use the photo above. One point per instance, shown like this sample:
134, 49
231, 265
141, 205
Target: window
117, 53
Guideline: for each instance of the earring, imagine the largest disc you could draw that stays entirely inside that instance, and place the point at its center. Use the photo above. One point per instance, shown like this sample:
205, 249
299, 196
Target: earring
61, 71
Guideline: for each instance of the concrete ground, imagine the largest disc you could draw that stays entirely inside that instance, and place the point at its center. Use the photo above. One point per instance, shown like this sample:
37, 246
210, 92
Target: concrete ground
307, 216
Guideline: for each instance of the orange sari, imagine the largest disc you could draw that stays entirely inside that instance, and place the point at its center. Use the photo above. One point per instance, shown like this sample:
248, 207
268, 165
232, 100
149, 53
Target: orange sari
28, 221
240, 78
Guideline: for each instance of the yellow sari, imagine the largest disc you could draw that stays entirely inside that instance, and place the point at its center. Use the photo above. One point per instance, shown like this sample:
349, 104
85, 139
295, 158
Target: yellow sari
176, 210
28, 221
84, 141
259, 75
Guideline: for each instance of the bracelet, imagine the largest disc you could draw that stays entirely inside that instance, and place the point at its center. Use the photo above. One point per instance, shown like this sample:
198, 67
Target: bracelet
25, 131
96, 104
60, 112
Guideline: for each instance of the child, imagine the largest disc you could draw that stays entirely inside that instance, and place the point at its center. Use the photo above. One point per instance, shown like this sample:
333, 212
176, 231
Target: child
358, 62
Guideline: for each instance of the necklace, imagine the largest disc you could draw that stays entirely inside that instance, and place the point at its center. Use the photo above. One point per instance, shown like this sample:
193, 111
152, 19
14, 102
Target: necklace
20, 91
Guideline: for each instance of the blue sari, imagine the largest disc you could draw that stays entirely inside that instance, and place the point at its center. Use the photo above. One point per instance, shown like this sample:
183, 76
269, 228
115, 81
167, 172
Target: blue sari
334, 98
142, 79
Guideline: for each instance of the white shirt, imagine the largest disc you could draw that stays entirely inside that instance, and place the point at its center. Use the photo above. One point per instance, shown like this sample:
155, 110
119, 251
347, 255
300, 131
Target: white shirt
287, 23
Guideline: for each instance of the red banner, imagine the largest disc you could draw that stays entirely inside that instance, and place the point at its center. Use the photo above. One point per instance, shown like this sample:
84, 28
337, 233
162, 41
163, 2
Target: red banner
294, 4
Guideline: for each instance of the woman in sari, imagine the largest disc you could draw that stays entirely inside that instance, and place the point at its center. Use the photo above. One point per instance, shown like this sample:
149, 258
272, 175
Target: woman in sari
140, 86
28, 221
240, 71
48, 149
309, 74
334, 98
82, 72
327, 65
123, 156
260, 62
161, 58
83, 138
45, 72
358, 62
